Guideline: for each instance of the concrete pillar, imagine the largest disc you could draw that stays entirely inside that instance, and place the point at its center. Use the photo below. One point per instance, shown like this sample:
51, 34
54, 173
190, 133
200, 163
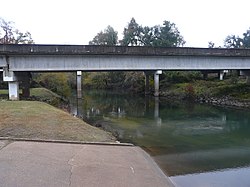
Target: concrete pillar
13, 90
157, 82
221, 75
11, 78
80, 108
79, 84
146, 83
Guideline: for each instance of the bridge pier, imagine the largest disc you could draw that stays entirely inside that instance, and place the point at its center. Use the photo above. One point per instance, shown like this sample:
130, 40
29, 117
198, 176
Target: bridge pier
79, 84
157, 82
11, 78
13, 90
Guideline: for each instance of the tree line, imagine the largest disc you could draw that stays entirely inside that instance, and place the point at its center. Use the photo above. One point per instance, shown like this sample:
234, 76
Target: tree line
134, 34
166, 35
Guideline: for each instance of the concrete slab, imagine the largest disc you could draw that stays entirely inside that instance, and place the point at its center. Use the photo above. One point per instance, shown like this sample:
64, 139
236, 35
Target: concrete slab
56, 164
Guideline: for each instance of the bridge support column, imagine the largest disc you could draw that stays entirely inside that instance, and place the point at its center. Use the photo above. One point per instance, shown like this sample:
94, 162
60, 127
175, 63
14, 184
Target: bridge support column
13, 90
157, 82
79, 84
10, 77
221, 75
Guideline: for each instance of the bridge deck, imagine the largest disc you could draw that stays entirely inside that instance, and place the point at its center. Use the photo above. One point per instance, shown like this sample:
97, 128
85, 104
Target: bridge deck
32, 49
113, 58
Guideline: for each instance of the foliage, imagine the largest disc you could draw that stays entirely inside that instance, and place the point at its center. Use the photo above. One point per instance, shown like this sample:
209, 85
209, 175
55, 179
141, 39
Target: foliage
131, 34
233, 41
56, 82
166, 35
115, 80
99, 80
189, 91
10, 35
181, 76
211, 44
134, 81
107, 37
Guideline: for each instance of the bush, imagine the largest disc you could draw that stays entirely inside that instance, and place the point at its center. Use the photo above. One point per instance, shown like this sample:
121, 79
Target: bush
56, 82
189, 92
181, 76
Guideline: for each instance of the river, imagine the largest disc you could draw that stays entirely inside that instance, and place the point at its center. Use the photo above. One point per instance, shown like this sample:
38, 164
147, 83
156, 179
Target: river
195, 145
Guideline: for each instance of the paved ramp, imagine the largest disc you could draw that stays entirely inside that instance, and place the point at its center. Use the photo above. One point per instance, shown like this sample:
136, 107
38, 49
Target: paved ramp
57, 164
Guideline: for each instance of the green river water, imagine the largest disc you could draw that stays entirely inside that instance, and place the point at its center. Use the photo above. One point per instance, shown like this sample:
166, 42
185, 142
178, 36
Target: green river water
194, 144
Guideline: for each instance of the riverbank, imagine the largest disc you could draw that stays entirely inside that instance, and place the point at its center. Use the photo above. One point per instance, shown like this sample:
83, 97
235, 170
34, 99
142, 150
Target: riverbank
38, 120
221, 93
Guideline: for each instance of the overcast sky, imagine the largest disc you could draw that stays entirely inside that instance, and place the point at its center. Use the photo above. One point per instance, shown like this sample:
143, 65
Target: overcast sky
78, 21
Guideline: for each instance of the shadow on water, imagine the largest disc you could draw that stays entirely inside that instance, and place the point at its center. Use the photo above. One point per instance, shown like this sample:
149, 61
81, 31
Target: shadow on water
183, 138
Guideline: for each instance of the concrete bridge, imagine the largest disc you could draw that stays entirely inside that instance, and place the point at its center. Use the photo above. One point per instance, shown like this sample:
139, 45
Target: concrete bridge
17, 61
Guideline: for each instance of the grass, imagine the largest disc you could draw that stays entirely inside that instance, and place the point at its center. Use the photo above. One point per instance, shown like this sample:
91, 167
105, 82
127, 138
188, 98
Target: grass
37, 120
38, 94
215, 88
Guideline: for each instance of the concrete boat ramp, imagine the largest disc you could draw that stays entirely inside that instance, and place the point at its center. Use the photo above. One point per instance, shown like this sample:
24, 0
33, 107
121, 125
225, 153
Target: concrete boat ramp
31, 164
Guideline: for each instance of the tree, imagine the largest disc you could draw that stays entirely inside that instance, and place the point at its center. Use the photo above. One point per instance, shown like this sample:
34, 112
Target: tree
166, 35
107, 37
246, 39
131, 34
233, 41
10, 35
211, 44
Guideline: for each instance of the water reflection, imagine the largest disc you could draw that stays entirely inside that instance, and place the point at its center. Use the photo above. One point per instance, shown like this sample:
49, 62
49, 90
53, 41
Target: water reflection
224, 178
183, 138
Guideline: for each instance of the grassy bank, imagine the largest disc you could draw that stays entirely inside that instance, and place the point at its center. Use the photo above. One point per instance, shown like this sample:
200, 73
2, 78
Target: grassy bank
205, 88
37, 120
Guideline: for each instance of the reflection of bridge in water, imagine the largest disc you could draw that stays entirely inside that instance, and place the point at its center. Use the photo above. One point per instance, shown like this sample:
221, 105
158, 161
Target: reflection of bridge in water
18, 61
199, 126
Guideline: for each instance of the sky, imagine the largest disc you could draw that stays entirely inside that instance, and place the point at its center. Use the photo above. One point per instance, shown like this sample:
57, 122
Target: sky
78, 21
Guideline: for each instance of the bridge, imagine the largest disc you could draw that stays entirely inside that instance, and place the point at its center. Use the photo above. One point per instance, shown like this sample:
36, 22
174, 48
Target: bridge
17, 61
